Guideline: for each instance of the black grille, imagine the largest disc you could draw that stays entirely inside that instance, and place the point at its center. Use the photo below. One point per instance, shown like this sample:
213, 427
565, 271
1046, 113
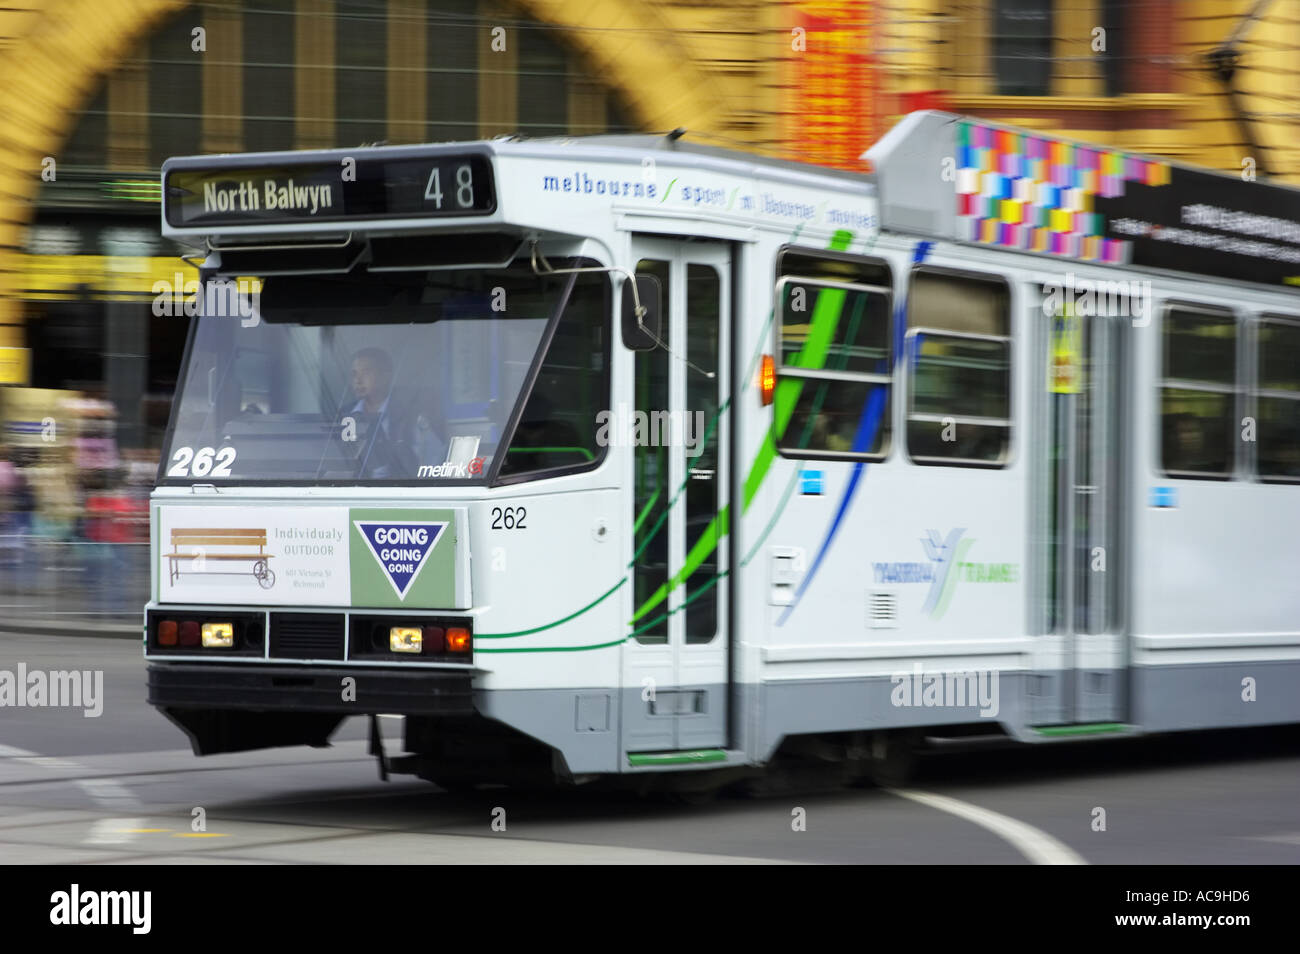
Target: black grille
307, 635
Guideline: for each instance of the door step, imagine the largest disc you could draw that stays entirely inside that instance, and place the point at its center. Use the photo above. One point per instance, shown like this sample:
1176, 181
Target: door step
1094, 728
683, 757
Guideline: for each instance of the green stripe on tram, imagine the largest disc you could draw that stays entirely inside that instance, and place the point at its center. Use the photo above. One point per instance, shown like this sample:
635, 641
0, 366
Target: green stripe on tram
821, 335
826, 315
645, 511
691, 757
812, 355
544, 626
706, 544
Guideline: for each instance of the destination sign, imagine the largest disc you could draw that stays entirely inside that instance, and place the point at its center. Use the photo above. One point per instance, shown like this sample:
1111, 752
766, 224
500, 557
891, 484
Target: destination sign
1210, 224
329, 191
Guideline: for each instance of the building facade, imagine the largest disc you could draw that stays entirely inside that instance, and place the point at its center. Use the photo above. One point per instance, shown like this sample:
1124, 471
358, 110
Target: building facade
1131, 74
98, 92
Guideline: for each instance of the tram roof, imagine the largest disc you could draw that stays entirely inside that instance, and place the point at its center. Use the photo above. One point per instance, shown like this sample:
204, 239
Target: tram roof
934, 174
683, 150
407, 187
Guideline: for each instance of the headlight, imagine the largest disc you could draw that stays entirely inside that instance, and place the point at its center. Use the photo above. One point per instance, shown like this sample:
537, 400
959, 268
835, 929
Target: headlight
405, 639
218, 635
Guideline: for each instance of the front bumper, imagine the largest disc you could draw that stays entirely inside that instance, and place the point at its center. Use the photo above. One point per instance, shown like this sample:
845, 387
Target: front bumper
310, 689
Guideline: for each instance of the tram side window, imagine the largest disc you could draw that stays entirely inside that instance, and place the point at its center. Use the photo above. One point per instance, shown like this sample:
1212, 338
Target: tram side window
559, 424
959, 366
1198, 392
1277, 398
835, 363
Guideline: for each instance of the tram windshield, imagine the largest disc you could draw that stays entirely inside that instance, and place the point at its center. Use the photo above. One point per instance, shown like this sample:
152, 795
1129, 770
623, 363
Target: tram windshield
388, 377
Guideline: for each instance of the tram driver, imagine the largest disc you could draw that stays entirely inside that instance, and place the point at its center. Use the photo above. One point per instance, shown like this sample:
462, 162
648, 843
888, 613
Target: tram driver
392, 435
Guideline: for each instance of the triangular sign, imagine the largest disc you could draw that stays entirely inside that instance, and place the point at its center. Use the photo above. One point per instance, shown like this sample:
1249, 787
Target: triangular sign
401, 546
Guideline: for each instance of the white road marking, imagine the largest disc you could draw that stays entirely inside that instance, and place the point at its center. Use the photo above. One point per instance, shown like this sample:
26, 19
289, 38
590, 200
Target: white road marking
1285, 838
113, 831
107, 793
1036, 845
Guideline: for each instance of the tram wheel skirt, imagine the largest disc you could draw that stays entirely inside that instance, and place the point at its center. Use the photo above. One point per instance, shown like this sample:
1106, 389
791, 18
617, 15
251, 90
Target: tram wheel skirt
240, 708
212, 731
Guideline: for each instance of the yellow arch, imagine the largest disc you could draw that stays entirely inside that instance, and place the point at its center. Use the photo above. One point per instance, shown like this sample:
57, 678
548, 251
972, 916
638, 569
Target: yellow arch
59, 49
635, 50
55, 58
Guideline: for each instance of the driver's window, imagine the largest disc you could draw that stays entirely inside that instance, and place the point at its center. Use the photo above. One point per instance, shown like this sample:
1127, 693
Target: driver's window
560, 422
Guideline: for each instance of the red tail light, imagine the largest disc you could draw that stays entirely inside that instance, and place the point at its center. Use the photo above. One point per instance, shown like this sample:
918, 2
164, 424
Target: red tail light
434, 640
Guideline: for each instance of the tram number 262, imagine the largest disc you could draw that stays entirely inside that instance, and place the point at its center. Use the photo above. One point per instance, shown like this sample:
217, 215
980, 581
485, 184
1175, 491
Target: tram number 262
508, 518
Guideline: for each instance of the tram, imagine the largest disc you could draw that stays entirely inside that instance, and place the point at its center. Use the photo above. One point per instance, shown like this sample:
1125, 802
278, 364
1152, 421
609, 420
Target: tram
624, 457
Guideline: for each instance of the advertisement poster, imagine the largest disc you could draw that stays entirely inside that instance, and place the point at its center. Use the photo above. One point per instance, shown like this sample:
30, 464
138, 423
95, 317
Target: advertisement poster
832, 96
1066, 372
307, 556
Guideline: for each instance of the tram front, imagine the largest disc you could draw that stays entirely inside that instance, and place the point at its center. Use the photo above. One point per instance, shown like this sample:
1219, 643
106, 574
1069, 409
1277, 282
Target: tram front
382, 461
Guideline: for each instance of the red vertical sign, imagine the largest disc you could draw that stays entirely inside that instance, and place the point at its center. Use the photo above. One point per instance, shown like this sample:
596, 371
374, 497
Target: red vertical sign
828, 121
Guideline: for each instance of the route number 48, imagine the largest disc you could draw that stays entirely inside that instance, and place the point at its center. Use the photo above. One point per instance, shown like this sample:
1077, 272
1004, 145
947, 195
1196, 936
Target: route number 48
464, 187
205, 462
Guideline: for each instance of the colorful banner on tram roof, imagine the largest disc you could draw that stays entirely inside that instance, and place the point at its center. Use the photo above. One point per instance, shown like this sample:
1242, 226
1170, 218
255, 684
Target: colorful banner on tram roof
1023, 190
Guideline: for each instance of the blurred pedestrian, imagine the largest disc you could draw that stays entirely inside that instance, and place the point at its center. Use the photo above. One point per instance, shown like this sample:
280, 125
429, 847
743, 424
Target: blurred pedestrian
8, 476
11, 501
58, 504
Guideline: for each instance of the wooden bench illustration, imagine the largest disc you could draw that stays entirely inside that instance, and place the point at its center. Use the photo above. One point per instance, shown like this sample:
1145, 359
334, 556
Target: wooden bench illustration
193, 545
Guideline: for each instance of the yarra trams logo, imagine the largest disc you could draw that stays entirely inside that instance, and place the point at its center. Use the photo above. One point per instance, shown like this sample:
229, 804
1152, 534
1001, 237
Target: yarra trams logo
946, 566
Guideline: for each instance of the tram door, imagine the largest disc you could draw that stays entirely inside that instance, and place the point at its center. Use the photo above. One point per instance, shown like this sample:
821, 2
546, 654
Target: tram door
1080, 505
675, 671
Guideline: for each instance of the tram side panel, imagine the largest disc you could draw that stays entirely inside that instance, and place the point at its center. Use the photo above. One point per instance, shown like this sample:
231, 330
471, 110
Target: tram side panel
543, 560
1215, 605
892, 592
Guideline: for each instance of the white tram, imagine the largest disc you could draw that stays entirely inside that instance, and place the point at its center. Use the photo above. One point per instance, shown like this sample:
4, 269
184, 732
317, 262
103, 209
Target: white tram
1000, 437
